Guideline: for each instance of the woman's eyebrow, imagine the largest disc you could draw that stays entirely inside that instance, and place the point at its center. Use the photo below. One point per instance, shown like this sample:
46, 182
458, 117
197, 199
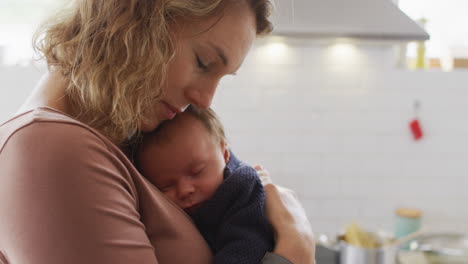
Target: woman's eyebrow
220, 53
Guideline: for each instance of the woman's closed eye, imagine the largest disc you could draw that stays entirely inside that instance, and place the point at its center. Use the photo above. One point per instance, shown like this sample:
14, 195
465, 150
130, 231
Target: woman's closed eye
200, 64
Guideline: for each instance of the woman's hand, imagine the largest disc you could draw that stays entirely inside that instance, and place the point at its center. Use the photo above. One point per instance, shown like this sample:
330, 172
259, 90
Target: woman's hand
294, 236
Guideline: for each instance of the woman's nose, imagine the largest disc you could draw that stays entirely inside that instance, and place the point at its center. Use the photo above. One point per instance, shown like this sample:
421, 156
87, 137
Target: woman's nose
202, 94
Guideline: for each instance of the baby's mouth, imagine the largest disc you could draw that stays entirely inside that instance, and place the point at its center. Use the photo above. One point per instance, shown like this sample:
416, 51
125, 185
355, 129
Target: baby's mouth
191, 209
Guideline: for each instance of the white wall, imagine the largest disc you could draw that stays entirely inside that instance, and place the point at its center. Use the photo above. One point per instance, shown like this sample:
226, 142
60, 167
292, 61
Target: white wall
332, 123
16, 82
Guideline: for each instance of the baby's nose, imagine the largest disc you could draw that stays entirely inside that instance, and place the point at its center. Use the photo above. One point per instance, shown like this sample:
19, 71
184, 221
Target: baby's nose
185, 190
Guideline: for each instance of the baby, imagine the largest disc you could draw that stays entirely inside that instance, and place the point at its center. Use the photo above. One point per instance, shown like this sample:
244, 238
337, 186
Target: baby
188, 159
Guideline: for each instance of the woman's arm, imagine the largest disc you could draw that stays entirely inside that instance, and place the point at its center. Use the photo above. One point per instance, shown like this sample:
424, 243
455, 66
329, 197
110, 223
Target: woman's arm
64, 198
294, 236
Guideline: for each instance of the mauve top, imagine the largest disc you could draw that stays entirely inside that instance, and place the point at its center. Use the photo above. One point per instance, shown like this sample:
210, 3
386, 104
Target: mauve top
69, 195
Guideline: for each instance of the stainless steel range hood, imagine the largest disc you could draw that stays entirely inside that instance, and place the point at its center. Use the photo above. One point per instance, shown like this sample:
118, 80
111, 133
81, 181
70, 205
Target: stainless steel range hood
364, 19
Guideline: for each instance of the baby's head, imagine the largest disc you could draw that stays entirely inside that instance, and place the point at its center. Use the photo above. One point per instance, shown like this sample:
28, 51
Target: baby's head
185, 157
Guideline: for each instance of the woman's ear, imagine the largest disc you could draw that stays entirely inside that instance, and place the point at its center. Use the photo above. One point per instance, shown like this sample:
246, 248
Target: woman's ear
225, 150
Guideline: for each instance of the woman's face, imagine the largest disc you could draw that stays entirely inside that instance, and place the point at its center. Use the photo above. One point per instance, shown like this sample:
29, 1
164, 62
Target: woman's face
204, 52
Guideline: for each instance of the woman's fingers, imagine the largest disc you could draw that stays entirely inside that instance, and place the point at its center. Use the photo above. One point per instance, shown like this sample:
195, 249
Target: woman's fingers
291, 202
294, 236
263, 175
295, 239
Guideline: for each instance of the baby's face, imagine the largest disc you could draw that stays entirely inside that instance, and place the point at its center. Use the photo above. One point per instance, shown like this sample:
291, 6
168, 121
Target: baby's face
188, 167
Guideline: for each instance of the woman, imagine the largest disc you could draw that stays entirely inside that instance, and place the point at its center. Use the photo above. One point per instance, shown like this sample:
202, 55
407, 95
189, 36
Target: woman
68, 194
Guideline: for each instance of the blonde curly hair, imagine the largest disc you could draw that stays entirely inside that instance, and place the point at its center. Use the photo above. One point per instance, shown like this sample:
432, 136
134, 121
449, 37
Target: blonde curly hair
115, 54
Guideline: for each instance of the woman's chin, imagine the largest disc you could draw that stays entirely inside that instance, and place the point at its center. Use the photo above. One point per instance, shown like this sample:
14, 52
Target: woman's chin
150, 125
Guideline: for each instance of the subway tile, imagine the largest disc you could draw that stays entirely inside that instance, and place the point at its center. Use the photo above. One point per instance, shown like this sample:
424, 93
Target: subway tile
322, 209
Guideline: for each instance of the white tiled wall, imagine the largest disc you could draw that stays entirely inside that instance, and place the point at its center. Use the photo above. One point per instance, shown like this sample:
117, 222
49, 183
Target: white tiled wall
332, 124
16, 82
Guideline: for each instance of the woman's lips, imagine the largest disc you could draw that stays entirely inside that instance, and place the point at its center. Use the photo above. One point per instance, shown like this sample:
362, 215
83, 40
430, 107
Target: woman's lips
171, 111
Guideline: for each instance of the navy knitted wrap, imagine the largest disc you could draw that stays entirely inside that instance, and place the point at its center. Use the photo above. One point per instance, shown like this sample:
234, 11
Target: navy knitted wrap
233, 220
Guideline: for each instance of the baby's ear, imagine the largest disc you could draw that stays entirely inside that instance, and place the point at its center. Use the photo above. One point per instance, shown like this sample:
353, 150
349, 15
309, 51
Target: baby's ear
225, 150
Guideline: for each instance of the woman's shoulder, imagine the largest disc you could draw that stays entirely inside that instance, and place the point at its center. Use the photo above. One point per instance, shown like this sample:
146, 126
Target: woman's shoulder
53, 132
46, 123
70, 191
50, 145
48, 140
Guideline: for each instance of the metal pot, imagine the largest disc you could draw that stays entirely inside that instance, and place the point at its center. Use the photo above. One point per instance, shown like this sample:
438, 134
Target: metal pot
350, 254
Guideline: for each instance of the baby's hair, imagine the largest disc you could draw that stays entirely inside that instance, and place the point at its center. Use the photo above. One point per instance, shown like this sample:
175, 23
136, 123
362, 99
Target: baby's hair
207, 117
161, 135
210, 120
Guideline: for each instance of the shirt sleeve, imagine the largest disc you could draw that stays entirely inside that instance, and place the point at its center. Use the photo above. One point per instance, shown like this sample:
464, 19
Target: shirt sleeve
65, 198
272, 258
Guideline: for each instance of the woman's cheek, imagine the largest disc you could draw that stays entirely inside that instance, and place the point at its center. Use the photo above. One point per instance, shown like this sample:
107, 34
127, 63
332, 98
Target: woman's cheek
152, 121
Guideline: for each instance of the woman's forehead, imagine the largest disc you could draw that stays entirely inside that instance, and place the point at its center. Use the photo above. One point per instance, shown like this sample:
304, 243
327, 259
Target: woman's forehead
231, 34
